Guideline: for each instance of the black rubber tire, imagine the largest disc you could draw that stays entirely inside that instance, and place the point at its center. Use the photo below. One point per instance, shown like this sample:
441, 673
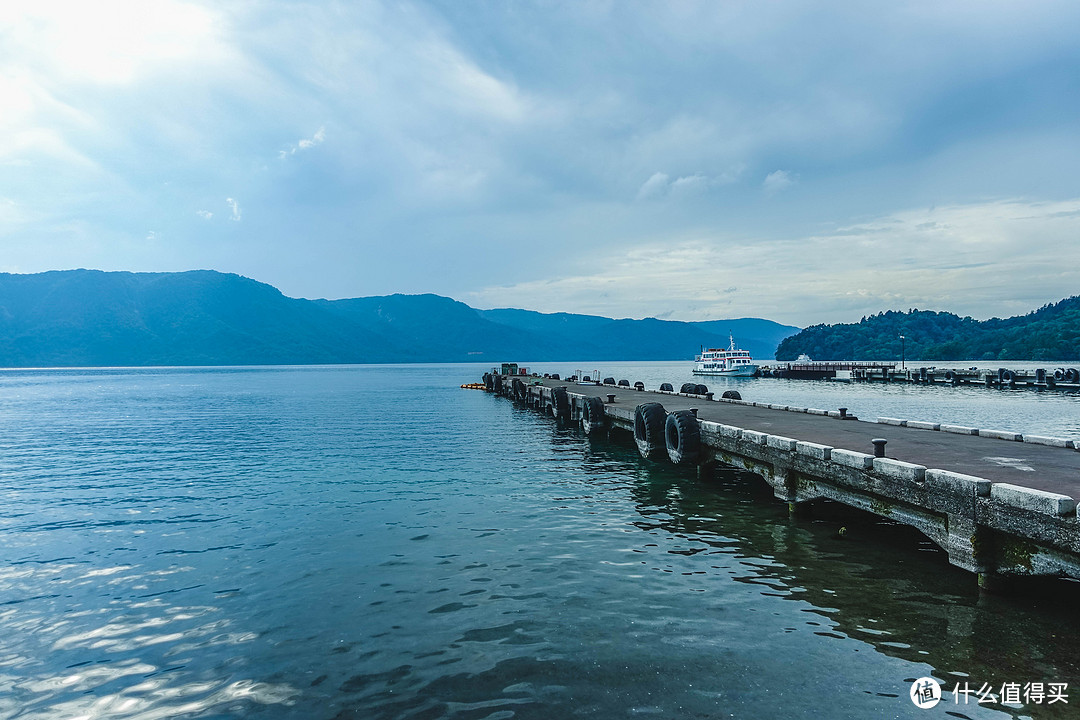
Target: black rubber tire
1008, 378
1059, 374
560, 402
1072, 375
682, 437
489, 382
624, 383
649, 421
688, 388
732, 395
666, 387
498, 383
701, 390
593, 419
609, 381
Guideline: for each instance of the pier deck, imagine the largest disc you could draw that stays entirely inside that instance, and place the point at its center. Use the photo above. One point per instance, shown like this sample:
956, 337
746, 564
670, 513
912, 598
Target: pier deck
1040, 467
1001, 504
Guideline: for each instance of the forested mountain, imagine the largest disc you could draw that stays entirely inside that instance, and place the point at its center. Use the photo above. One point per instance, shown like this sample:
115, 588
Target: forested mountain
1050, 333
94, 318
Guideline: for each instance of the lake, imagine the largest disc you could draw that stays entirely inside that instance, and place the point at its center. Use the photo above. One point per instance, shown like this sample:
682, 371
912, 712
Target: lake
375, 542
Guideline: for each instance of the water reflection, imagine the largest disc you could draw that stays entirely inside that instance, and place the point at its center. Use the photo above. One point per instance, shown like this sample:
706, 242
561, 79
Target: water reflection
879, 582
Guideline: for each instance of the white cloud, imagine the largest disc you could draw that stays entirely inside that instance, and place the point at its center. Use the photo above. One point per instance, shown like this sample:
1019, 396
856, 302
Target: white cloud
779, 180
108, 41
660, 184
653, 187
235, 208
204, 214
151, 235
999, 258
304, 144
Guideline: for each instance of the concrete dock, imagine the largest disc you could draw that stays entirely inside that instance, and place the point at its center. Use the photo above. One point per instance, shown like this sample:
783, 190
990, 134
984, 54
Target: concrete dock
1001, 504
1067, 379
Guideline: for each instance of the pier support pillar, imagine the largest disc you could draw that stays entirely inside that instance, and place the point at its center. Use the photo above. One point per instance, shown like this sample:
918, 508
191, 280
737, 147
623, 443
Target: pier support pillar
967, 544
800, 509
996, 584
783, 484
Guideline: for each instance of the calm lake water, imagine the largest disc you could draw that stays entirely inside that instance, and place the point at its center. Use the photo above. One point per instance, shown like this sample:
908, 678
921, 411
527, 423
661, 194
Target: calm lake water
374, 542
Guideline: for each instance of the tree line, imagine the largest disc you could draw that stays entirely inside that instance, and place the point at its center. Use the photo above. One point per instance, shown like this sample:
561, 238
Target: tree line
1050, 333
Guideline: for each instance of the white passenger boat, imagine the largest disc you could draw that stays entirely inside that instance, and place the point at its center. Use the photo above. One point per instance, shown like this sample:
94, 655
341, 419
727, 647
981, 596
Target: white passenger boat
731, 362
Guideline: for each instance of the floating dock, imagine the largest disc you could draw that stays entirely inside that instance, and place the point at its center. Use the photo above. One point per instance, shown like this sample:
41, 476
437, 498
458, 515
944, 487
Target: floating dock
1040, 379
1001, 504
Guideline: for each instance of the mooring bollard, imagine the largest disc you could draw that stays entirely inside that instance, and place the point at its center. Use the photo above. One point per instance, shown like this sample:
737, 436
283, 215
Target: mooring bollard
611, 398
879, 447
694, 410
843, 413
708, 396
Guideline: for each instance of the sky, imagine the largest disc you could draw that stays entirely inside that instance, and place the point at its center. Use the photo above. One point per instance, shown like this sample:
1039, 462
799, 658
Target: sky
805, 162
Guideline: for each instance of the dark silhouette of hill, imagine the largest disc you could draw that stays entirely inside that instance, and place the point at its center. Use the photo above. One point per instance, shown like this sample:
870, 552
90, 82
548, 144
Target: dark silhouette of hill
93, 318
1050, 333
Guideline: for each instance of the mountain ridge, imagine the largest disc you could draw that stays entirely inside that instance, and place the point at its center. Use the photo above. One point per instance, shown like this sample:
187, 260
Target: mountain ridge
66, 318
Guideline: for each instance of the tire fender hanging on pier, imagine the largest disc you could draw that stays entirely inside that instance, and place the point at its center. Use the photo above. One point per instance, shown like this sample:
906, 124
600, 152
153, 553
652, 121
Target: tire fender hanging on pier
682, 435
592, 415
649, 421
560, 402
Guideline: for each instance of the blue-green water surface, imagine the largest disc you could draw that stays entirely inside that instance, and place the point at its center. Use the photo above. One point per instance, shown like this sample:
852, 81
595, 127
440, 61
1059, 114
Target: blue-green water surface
375, 542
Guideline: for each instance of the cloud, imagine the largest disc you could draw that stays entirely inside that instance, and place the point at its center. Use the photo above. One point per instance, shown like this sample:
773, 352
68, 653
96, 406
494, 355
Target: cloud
109, 42
655, 186
660, 184
999, 258
304, 144
151, 235
779, 180
480, 136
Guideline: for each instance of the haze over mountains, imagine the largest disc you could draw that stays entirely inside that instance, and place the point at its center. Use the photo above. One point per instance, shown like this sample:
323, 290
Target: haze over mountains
94, 318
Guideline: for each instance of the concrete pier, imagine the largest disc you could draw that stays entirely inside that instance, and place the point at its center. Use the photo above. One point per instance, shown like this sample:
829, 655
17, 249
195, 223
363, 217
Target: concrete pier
1001, 504
1039, 379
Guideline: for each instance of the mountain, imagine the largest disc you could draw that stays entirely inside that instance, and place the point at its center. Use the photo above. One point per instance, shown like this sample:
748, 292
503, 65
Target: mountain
203, 317
1050, 333
649, 339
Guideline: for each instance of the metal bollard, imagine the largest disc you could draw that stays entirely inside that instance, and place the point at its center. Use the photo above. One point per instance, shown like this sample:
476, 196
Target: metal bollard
879, 447
843, 413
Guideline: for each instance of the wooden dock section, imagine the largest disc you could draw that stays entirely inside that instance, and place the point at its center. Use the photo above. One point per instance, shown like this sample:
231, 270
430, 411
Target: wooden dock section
1001, 504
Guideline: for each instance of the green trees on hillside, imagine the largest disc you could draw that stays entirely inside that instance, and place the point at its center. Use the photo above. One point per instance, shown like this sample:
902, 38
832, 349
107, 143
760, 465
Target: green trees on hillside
1050, 333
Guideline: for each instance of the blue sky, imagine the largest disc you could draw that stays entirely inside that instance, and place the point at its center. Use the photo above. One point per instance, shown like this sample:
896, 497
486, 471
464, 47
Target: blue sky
800, 161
